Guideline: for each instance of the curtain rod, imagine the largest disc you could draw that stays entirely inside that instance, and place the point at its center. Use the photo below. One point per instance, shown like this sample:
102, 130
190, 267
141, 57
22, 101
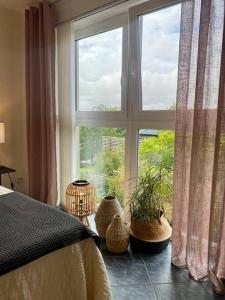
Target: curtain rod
89, 13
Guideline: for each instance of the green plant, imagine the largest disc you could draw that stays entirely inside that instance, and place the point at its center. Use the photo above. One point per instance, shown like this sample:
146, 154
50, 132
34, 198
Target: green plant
153, 189
115, 187
157, 151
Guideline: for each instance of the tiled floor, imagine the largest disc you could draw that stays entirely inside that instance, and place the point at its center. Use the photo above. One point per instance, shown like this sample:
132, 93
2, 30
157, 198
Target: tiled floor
151, 277
141, 276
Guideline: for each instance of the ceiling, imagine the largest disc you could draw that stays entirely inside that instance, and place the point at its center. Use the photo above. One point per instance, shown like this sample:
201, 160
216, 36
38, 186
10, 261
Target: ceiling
20, 5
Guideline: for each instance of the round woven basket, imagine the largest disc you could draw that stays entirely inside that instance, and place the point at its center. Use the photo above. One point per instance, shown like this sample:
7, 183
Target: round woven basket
153, 230
108, 208
117, 236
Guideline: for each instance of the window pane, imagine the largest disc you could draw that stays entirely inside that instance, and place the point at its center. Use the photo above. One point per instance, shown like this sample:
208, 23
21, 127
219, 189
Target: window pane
160, 43
155, 153
102, 159
99, 72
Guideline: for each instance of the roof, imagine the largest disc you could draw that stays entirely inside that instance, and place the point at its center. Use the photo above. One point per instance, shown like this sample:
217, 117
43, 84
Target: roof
148, 132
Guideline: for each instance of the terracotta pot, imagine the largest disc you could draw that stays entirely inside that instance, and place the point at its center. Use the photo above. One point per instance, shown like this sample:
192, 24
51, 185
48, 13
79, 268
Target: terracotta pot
117, 236
108, 208
153, 230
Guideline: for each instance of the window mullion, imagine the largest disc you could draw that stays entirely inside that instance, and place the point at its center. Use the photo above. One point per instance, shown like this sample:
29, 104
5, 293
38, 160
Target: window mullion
124, 79
134, 85
76, 49
133, 106
131, 155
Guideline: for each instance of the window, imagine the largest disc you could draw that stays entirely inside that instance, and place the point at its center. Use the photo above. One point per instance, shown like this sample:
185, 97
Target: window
159, 58
126, 73
156, 150
99, 74
102, 159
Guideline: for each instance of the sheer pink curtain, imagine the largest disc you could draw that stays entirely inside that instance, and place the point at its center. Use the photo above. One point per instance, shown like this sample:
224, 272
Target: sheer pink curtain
41, 116
199, 175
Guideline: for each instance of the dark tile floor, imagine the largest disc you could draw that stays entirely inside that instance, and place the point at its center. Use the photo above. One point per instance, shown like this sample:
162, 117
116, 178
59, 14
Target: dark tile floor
141, 276
151, 277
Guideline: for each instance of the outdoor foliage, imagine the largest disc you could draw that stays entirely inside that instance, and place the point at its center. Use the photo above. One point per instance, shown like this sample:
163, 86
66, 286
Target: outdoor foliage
105, 166
103, 107
157, 151
91, 140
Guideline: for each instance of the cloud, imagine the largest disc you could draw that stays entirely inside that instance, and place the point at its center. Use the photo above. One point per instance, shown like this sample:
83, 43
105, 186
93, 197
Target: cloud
106, 90
100, 67
100, 63
159, 90
160, 58
100, 54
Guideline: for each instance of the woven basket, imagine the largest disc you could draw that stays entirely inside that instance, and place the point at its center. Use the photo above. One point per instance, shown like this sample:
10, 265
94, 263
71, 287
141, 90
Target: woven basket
108, 208
117, 236
152, 230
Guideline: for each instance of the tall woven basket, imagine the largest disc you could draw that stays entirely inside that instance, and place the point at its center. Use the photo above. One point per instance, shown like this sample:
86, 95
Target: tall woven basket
117, 236
108, 208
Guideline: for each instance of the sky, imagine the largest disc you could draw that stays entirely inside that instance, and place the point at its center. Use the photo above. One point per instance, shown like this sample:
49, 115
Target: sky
100, 63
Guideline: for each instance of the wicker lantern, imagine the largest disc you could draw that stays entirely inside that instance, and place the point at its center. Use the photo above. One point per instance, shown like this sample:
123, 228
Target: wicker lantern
81, 199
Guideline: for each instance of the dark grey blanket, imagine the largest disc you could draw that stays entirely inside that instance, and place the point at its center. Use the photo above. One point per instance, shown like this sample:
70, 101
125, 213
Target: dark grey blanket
30, 229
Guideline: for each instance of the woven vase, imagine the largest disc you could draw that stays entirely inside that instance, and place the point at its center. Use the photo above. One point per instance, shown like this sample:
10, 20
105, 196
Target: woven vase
108, 208
117, 236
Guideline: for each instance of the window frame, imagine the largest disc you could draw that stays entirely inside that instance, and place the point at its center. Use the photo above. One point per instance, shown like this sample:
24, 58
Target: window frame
120, 21
135, 87
131, 117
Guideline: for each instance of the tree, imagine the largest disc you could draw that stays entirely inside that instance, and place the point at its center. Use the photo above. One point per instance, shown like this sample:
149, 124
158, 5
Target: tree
172, 106
90, 143
112, 160
157, 151
103, 107
91, 140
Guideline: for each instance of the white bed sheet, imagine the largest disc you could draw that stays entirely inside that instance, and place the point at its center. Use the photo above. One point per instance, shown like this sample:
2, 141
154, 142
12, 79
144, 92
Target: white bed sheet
4, 190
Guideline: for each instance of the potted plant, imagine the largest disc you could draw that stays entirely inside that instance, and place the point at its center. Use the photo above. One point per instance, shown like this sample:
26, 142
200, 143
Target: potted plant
150, 229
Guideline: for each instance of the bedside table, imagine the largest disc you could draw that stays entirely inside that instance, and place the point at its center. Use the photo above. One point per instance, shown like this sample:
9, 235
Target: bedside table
5, 170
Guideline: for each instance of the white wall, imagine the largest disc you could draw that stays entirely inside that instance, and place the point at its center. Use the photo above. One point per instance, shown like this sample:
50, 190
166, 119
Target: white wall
12, 96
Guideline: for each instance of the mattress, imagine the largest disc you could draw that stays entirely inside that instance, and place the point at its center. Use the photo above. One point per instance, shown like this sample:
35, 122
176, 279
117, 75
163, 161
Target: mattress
75, 272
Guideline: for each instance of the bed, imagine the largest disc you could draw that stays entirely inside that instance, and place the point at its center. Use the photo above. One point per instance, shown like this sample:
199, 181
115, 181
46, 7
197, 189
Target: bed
75, 270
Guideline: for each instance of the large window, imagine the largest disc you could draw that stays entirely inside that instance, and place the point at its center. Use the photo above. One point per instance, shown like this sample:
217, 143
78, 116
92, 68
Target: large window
126, 74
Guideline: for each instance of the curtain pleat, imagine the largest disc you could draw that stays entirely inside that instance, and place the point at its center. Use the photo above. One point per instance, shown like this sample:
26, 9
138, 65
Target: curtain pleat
40, 94
199, 167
